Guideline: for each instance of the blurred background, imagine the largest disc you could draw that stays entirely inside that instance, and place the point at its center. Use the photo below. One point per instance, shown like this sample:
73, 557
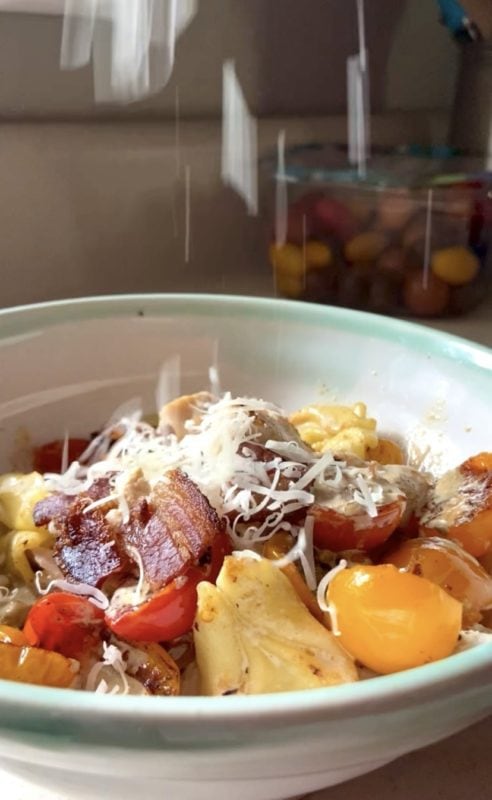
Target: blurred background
92, 198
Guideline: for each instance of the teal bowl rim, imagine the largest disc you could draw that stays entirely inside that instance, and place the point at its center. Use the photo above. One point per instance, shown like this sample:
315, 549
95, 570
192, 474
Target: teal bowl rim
453, 674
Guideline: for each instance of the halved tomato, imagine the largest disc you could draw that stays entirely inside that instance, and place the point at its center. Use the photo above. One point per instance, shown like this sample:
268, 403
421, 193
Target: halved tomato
48, 457
170, 612
64, 622
337, 532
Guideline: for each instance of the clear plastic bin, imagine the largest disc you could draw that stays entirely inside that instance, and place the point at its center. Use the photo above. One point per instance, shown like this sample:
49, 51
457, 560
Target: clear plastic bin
412, 238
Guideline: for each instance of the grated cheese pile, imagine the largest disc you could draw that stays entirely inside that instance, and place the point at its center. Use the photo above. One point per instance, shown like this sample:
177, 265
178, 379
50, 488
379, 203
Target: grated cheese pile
256, 495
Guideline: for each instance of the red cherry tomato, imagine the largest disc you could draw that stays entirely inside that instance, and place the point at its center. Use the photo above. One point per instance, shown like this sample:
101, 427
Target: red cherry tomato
65, 623
337, 532
170, 612
329, 216
166, 615
48, 457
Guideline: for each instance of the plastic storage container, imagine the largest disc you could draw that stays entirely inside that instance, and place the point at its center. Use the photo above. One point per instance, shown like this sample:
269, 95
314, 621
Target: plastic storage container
412, 238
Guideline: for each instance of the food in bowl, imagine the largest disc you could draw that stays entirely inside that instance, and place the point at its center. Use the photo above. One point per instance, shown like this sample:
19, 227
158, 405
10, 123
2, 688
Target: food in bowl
227, 548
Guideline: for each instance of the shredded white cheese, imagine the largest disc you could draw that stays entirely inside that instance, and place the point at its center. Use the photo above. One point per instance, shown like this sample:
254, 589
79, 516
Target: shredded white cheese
112, 657
255, 491
95, 596
325, 582
364, 496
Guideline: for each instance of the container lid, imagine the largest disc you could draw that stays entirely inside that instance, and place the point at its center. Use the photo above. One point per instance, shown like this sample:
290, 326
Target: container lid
406, 167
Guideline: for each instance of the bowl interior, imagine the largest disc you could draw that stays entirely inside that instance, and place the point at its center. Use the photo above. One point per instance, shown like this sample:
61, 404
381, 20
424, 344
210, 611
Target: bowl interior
68, 366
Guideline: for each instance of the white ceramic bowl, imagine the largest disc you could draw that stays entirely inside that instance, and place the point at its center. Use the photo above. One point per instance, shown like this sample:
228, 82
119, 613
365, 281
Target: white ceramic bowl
66, 366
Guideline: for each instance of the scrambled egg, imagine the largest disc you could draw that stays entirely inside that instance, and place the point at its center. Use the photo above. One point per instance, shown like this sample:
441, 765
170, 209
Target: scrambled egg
342, 429
253, 635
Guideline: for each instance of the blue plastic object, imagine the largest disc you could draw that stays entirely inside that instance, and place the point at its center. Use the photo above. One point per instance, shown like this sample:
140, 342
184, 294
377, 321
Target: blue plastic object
452, 14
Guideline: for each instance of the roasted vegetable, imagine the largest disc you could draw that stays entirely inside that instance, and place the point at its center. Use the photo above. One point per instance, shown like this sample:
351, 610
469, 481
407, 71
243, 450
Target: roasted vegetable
254, 635
153, 667
460, 506
276, 548
33, 665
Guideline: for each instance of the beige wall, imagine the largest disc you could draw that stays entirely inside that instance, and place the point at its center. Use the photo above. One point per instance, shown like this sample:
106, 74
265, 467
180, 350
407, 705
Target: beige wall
290, 56
97, 208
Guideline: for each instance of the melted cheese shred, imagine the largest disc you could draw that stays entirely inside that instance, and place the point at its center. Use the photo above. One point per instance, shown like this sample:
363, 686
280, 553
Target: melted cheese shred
325, 582
94, 595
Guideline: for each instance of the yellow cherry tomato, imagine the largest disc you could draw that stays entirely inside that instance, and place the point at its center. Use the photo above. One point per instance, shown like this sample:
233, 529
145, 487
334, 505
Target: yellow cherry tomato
318, 255
33, 665
365, 247
452, 568
289, 286
10, 635
288, 260
455, 265
390, 620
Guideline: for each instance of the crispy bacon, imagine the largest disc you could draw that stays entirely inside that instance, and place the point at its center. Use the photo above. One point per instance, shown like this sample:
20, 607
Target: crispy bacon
57, 506
173, 529
54, 507
88, 548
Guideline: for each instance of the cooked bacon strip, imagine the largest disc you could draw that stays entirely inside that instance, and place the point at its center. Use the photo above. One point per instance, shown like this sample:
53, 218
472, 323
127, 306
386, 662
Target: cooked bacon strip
173, 529
55, 506
88, 548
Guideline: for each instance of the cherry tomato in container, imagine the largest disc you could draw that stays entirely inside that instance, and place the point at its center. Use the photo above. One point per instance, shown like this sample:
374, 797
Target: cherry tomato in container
338, 532
425, 298
49, 457
331, 217
64, 622
170, 612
